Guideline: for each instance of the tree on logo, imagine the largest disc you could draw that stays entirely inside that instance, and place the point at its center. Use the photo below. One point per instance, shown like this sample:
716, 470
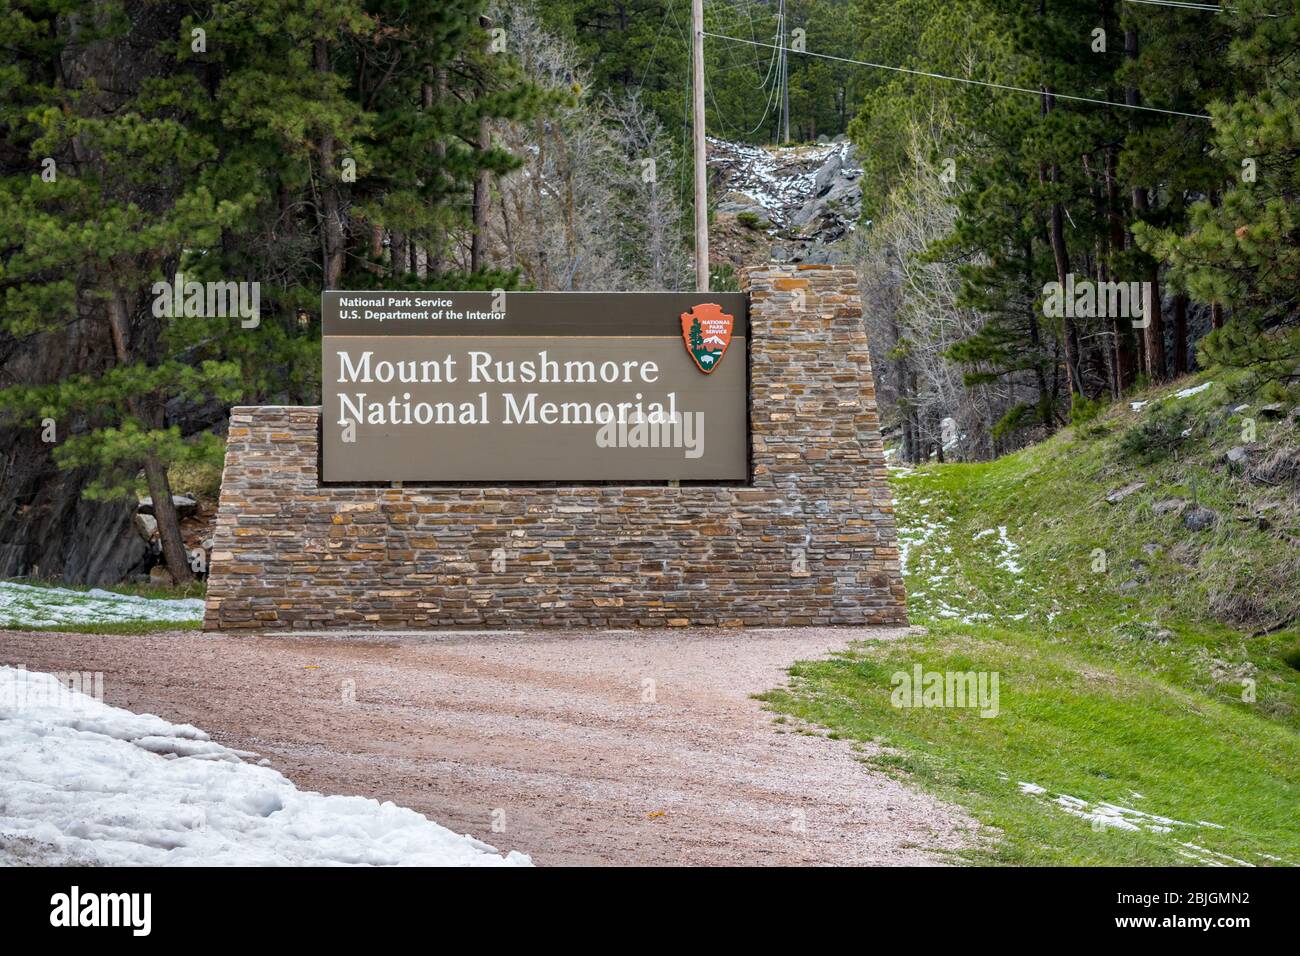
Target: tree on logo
697, 337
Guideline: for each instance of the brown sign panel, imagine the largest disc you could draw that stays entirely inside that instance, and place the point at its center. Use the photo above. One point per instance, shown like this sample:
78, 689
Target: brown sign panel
534, 386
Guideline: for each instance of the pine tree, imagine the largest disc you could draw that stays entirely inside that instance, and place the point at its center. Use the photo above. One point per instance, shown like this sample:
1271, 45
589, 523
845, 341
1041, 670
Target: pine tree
276, 143
1241, 247
127, 192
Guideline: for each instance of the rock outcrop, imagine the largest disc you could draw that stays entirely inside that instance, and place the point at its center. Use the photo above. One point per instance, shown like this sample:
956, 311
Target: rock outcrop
802, 202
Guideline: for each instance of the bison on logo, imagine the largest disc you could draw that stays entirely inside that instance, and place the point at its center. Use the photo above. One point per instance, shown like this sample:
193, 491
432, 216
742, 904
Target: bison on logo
707, 331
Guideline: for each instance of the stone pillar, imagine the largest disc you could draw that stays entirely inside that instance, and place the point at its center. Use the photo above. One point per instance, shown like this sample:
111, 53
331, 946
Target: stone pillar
810, 540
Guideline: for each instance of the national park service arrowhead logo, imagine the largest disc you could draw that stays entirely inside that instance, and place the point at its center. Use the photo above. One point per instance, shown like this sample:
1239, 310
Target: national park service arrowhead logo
707, 331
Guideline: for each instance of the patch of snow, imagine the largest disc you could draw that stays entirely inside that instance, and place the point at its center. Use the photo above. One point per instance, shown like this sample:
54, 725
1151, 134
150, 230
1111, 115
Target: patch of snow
1211, 856
104, 785
1109, 815
27, 605
914, 534
1008, 560
1101, 815
1181, 393
1194, 390
1008, 550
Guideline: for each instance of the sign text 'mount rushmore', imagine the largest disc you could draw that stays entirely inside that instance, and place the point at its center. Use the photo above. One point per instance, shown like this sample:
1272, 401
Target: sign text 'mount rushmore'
481, 386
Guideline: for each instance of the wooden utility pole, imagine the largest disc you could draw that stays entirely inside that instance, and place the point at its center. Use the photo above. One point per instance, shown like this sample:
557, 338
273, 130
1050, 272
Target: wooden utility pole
783, 75
701, 158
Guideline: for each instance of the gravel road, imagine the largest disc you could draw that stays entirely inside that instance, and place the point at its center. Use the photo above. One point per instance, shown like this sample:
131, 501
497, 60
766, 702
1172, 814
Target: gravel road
575, 747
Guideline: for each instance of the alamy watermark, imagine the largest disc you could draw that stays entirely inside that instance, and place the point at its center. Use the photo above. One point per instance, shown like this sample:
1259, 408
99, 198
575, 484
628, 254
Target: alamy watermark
1086, 299
184, 298
974, 690
66, 690
683, 430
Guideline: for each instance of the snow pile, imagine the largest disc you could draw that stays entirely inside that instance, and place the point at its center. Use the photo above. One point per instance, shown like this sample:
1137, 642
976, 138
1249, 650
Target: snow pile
94, 783
26, 605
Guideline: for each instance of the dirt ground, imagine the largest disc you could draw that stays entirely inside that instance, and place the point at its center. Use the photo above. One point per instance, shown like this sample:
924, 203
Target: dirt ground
573, 747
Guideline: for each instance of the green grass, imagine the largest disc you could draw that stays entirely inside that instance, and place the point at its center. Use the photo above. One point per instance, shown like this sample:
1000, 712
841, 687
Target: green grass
1164, 674
111, 627
194, 589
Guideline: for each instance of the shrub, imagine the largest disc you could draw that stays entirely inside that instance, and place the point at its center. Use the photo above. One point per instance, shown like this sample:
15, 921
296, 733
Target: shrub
723, 278
1084, 409
1158, 433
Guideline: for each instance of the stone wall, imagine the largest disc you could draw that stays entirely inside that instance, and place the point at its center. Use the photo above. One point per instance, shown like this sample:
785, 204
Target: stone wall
810, 541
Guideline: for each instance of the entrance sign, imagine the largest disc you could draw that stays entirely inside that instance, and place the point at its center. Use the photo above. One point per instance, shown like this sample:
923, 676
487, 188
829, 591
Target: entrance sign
806, 538
534, 386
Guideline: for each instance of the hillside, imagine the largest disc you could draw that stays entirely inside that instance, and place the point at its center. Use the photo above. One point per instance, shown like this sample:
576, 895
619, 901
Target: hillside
797, 203
1133, 582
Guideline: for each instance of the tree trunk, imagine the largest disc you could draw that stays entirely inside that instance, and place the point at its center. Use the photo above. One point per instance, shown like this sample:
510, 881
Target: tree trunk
401, 254
1180, 335
331, 204
1126, 360
1154, 333
155, 472
482, 183
436, 93
1153, 338
169, 525
1045, 399
1056, 235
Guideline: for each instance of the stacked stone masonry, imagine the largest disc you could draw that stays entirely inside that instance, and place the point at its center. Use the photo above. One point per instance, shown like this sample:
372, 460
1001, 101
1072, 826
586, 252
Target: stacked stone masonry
811, 540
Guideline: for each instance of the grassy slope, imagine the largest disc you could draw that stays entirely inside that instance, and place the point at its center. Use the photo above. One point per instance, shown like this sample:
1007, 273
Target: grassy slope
1113, 682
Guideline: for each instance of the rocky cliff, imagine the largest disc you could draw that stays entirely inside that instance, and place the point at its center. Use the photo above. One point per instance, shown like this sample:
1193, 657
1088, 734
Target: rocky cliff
783, 204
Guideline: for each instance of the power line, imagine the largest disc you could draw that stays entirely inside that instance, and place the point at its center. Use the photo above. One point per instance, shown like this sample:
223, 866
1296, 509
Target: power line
655, 49
962, 79
709, 88
1207, 7
1199, 7
749, 12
